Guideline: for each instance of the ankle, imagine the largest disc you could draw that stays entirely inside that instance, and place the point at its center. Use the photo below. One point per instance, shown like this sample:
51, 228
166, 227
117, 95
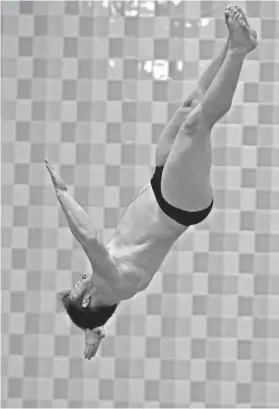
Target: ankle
238, 51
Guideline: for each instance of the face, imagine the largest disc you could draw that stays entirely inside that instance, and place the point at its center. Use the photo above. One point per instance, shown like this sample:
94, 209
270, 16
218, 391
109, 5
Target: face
85, 288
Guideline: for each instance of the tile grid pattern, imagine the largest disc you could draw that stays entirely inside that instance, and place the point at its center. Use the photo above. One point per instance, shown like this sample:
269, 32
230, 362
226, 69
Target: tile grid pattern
77, 87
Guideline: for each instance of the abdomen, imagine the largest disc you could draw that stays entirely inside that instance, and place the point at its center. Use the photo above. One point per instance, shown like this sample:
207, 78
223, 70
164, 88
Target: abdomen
142, 239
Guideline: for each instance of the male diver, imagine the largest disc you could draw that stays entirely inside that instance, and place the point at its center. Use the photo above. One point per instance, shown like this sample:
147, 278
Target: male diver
179, 195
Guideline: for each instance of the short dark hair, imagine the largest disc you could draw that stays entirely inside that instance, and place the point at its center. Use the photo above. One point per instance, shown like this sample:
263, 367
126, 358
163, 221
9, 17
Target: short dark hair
85, 317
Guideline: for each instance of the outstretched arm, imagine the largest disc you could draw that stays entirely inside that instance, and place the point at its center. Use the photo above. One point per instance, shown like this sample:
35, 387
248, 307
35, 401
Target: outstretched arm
82, 229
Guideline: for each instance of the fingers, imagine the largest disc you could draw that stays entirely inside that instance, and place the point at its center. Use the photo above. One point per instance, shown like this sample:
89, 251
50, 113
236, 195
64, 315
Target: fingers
89, 352
49, 166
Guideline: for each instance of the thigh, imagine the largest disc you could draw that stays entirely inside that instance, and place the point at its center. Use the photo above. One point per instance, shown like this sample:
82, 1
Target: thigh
169, 133
186, 175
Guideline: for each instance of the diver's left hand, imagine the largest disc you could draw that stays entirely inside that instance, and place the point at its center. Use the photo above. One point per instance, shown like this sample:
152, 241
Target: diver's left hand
93, 340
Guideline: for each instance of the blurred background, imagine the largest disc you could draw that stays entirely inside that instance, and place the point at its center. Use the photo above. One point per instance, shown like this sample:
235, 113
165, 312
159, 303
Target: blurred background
90, 85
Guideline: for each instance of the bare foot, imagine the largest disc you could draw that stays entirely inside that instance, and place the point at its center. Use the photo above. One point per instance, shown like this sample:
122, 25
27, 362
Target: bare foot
241, 36
252, 31
57, 181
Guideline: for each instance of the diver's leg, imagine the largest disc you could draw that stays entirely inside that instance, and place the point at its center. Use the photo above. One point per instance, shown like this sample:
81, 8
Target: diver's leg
218, 99
210, 73
186, 175
170, 131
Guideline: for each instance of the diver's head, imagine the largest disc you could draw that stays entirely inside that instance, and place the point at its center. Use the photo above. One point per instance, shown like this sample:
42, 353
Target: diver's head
84, 305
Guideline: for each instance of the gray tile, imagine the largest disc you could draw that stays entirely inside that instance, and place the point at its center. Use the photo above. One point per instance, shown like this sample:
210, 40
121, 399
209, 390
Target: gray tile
262, 243
69, 90
36, 195
70, 47
33, 281
207, 49
114, 91
17, 302
83, 154
268, 29
61, 345
106, 389
24, 89
160, 49
265, 157
9, 25
27, 7
60, 388
259, 371
250, 92
37, 153
213, 371
247, 221
131, 69
112, 175
167, 370
177, 28
63, 260
123, 325
40, 25
160, 91
261, 285
199, 305
250, 134
198, 348
144, 112
249, 178
154, 304
14, 388
115, 48
245, 306
151, 390
25, 46
100, 25
128, 155
215, 284
16, 344
246, 263
214, 327
86, 69
168, 327
31, 367
243, 393
265, 114
131, 27
86, 27
260, 328
18, 258
244, 349
267, 71
169, 284
197, 391
76, 370
39, 111
122, 368
32, 323
83, 111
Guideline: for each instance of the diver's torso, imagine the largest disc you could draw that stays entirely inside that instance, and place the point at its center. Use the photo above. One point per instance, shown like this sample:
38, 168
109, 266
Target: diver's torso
141, 241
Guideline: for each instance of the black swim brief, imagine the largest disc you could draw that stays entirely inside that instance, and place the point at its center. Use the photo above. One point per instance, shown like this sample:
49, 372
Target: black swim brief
181, 216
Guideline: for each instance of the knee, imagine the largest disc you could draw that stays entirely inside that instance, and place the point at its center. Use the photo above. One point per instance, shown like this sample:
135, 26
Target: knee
193, 100
195, 119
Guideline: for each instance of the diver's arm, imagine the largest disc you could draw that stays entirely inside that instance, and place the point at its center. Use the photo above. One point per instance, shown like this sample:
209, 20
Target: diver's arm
83, 230
90, 240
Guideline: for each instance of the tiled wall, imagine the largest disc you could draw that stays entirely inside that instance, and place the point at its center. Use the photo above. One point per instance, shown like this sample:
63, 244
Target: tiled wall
90, 85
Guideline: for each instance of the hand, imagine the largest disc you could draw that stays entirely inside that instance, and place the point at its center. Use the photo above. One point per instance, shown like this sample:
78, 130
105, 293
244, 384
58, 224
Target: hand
57, 181
93, 340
